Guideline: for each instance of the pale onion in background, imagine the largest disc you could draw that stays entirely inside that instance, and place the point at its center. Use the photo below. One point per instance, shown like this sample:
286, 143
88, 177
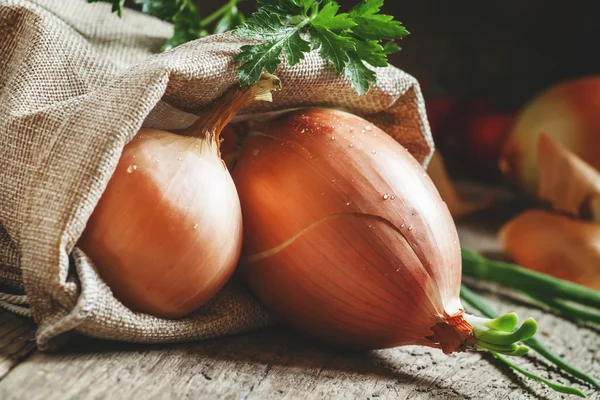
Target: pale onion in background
555, 245
570, 114
570, 184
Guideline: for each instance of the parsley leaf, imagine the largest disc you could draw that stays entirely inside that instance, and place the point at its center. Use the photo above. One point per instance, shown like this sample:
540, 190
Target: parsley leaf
117, 5
230, 20
185, 17
374, 26
280, 37
187, 25
390, 48
327, 19
357, 73
161, 9
348, 41
332, 47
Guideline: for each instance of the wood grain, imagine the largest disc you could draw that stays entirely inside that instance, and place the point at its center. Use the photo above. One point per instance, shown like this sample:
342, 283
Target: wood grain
279, 364
16, 340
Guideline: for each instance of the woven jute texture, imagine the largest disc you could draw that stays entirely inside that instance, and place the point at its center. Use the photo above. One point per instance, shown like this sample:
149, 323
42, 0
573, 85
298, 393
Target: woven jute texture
76, 84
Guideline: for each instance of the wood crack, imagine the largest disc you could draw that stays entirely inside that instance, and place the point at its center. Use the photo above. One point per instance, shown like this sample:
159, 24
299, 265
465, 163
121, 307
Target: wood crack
261, 379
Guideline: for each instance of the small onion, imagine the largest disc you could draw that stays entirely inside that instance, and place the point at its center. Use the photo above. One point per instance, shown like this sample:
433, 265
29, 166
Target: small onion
556, 245
568, 113
347, 239
166, 234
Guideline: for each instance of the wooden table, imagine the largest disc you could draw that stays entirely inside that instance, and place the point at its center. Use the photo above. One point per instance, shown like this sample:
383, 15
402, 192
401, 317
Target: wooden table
277, 363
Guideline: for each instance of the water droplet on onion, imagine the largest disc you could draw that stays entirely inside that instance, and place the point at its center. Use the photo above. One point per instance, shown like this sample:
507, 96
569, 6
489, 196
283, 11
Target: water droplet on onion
368, 128
131, 168
195, 226
386, 196
351, 145
333, 138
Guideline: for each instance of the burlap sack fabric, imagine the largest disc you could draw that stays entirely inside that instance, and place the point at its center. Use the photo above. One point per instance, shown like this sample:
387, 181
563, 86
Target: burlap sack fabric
76, 84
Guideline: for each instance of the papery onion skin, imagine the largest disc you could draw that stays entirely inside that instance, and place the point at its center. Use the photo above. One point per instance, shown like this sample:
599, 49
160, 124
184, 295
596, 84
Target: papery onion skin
346, 237
556, 245
167, 235
568, 113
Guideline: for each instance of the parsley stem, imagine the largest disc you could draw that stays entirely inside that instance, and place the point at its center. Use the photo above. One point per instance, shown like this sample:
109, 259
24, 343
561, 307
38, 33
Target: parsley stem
219, 12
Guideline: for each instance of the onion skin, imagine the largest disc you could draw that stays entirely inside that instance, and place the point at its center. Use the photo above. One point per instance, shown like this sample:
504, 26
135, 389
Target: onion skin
569, 114
346, 237
166, 236
555, 245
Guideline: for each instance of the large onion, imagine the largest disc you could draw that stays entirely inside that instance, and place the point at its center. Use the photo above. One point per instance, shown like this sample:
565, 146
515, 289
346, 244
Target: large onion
346, 237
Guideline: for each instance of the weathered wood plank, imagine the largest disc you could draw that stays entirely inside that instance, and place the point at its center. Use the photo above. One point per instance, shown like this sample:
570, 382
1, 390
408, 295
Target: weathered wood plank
279, 364
16, 340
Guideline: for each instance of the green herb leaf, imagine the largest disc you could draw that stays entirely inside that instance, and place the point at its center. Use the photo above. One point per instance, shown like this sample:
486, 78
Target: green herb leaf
346, 40
286, 7
230, 20
333, 47
162, 9
372, 52
256, 58
186, 25
265, 26
358, 74
374, 26
390, 48
281, 37
117, 5
294, 48
328, 19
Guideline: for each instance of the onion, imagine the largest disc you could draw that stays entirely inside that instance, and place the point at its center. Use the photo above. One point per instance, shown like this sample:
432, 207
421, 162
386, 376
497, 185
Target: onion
570, 185
166, 234
568, 113
555, 245
347, 239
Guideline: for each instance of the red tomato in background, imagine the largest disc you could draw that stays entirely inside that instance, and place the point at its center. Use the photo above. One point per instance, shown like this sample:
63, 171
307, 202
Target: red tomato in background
470, 135
439, 110
484, 136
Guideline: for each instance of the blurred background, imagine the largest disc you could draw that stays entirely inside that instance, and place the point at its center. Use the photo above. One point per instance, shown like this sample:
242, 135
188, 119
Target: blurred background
479, 62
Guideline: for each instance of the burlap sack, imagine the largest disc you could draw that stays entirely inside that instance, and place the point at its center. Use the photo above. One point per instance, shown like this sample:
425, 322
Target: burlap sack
76, 84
